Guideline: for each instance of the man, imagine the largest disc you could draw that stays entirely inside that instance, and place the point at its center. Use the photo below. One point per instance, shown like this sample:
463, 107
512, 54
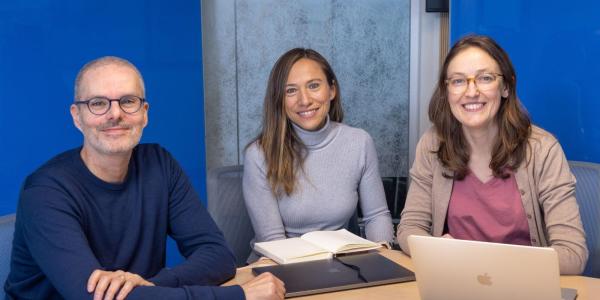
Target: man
93, 221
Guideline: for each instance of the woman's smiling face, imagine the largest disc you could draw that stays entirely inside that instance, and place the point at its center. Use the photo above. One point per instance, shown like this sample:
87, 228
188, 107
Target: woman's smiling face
476, 107
308, 95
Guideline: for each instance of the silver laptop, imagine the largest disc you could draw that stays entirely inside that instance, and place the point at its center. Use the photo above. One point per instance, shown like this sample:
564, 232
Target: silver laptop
452, 269
336, 274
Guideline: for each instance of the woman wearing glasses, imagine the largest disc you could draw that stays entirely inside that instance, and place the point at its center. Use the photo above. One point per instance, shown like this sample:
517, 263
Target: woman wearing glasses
306, 170
483, 171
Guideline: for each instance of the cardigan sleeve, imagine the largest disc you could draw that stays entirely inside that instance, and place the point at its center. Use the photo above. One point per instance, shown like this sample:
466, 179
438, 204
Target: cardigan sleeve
556, 196
416, 218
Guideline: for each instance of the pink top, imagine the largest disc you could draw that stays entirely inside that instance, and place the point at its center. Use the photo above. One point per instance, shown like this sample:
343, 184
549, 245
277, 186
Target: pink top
490, 212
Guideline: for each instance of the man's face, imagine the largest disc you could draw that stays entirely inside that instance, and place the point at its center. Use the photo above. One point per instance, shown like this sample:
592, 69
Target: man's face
115, 132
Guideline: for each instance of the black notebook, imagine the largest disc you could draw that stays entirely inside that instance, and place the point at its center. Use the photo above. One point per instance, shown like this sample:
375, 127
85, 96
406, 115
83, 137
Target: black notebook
338, 273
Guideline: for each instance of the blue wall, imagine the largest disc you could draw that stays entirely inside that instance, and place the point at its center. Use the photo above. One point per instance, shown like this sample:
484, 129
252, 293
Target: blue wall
43, 44
555, 47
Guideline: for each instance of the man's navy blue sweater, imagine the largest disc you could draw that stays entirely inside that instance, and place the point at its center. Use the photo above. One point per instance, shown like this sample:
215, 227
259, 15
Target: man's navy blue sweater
69, 223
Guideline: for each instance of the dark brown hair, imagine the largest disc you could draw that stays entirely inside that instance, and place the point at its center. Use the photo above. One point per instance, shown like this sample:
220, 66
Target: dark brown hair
514, 125
284, 151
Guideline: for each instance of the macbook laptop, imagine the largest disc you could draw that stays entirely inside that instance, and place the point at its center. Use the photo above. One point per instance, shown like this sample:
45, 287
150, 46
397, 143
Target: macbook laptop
338, 273
452, 269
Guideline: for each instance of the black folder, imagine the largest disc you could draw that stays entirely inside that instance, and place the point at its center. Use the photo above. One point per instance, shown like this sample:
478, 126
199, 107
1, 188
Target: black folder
338, 273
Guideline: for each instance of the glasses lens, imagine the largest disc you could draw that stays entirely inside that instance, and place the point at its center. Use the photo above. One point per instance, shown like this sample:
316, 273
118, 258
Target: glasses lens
457, 84
485, 81
130, 104
99, 106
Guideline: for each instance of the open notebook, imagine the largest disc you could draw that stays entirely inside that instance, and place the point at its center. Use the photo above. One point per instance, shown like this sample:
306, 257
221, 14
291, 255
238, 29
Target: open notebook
469, 270
314, 246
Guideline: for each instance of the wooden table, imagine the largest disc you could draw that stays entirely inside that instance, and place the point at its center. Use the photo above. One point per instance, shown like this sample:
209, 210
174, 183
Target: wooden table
587, 288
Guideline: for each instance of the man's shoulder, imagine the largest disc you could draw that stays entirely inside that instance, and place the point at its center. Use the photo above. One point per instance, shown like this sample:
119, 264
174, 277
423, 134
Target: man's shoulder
57, 166
154, 159
152, 152
61, 159
149, 148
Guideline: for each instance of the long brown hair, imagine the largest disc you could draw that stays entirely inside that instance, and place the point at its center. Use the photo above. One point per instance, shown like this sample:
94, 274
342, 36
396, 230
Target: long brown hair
514, 125
284, 151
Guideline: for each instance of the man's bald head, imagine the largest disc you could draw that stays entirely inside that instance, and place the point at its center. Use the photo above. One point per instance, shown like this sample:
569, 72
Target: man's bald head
101, 62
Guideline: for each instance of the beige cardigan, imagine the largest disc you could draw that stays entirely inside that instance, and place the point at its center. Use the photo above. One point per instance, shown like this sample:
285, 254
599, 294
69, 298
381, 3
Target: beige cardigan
547, 190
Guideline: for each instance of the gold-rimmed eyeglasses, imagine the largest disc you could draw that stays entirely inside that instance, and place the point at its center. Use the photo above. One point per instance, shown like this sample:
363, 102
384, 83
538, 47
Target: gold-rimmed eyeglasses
458, 84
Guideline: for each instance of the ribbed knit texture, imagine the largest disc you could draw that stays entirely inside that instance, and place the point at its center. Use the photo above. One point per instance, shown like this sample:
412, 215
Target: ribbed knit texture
341, 167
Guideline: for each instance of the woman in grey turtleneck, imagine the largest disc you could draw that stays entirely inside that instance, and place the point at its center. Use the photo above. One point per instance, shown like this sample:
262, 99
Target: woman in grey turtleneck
306, 171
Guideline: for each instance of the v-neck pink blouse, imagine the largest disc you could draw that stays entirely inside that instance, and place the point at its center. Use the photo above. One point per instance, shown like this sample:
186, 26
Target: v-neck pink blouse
490, 211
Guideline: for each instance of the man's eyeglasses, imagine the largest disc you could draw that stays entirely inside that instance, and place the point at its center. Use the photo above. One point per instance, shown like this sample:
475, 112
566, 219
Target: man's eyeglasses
101, 105
458, 84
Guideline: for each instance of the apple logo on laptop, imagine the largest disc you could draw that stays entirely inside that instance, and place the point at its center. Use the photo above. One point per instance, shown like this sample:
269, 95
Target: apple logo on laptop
484, 279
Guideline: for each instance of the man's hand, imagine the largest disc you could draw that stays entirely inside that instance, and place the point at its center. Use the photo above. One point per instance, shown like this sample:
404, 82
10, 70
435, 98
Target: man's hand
106, 284
264, 287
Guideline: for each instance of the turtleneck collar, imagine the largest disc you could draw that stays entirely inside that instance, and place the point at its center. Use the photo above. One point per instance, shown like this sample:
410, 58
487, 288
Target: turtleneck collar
319, 138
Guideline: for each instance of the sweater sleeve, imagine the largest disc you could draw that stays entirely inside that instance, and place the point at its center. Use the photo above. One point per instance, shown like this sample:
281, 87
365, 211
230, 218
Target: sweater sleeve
556, 188
376, 215
187, 293
416, 218
59, 247
208, 260
262, 205
50, 226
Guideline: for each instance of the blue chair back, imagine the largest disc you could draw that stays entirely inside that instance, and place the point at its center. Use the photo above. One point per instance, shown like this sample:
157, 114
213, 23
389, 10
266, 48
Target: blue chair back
7, 229
587, 191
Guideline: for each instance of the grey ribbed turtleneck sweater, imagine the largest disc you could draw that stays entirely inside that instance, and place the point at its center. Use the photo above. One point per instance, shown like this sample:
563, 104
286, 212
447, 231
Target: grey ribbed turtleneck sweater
340, 168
